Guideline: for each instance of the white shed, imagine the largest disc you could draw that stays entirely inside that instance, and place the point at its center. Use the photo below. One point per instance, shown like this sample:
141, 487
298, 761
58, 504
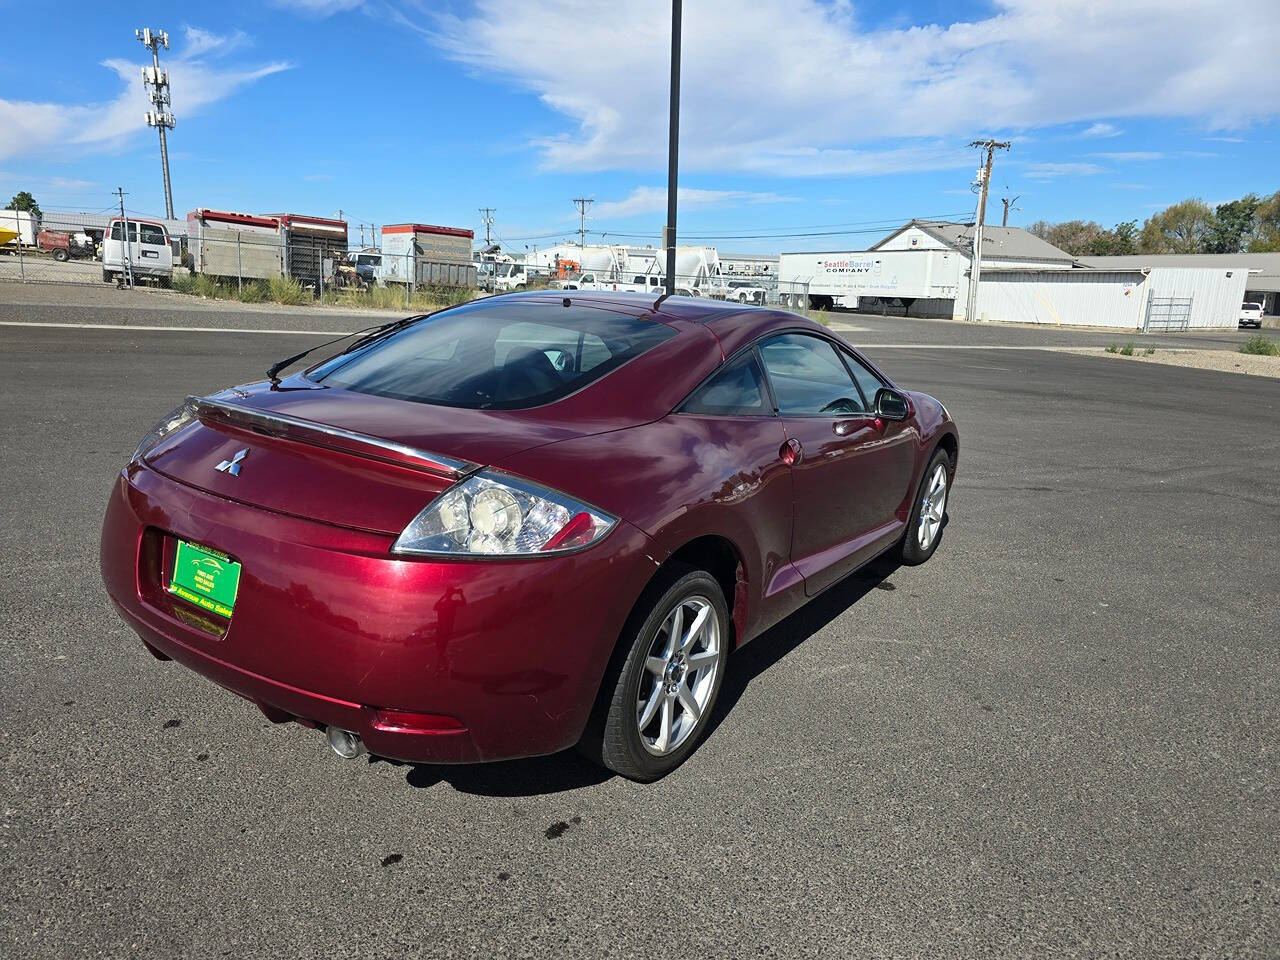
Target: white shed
1160, 299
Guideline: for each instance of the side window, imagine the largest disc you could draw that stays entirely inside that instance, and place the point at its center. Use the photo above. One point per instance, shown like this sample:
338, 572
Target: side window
152, 235
868, 382
808, 377
736, 391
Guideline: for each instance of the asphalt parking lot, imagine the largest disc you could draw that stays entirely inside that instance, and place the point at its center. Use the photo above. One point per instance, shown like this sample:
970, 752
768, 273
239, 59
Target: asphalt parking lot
1057, 738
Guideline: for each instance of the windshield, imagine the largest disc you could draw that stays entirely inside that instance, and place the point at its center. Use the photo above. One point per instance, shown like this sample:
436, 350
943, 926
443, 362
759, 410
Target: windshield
495, 355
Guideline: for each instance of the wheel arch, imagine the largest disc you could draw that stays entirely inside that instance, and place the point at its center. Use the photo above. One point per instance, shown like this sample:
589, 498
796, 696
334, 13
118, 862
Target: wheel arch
949, 443
721, 558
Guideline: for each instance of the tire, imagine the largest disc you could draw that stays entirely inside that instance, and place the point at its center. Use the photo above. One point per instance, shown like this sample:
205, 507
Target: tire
61, 256
919, 541
634, 748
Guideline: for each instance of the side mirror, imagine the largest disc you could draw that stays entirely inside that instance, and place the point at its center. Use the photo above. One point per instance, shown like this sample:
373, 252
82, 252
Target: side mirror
892, 405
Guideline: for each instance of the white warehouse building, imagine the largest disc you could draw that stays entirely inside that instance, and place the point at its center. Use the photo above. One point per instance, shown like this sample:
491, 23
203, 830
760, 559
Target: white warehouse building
923, 270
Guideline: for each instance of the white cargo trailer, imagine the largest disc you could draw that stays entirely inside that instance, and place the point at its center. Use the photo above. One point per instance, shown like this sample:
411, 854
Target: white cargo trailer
423, 255
227, 244
840, 278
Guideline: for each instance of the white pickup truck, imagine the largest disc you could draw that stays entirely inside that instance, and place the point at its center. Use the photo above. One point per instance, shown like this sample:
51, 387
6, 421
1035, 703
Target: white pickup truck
742, 291
631, 283
1251, 315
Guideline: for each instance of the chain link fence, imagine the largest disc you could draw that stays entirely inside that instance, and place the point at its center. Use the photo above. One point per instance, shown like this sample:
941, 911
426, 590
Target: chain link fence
258, 260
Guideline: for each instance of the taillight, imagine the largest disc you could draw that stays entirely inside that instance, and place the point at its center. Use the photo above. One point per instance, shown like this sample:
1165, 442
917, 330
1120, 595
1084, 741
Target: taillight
495, 514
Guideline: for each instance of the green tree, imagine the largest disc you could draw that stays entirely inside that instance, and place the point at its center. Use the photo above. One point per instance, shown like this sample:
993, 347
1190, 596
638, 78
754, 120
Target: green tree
22, 200
1182, 228
1119, 241
1265, 237
1233, 225
1076, 237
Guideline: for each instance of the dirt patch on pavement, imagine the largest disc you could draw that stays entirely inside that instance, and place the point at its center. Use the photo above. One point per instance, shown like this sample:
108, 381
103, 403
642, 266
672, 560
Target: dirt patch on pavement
1225, 361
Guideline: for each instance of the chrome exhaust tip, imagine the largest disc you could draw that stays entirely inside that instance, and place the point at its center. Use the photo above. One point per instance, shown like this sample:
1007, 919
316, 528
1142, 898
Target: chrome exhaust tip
344, 743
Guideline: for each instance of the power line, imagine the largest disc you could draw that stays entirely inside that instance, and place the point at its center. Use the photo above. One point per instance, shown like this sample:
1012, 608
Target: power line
487, 219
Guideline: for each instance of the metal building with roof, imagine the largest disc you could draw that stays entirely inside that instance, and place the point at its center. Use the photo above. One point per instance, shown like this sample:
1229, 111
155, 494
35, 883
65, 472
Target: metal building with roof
1263, 285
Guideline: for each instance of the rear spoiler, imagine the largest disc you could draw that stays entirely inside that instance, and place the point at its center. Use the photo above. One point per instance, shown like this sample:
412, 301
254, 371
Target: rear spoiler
334, 438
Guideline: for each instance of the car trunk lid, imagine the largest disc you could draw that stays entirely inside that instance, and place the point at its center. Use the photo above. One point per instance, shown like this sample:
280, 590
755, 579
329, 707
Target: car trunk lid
350, 459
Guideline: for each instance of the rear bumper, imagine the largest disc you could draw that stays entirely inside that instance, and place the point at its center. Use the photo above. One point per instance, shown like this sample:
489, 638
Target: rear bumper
329, 627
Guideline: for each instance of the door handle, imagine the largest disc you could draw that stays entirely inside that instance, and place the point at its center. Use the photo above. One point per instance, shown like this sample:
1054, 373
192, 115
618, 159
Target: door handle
843, 428
791, 452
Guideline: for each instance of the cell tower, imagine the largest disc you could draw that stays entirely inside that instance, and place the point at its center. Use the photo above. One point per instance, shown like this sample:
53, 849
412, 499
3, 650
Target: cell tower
156, 80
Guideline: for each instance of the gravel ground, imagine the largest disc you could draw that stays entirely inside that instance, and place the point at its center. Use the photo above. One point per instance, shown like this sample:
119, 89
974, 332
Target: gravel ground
1221, 360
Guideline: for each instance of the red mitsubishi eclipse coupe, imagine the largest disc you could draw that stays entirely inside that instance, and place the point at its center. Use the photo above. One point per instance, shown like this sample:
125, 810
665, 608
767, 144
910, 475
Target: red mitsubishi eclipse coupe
521, 524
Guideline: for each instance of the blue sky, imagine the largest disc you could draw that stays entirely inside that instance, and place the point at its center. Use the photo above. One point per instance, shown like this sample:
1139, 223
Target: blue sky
799, 116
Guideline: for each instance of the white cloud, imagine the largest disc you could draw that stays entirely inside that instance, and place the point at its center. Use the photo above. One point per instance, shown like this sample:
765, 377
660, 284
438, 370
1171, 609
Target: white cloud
200, 43
1046, 171
1101, 130
799, 87
37, 129
654, 200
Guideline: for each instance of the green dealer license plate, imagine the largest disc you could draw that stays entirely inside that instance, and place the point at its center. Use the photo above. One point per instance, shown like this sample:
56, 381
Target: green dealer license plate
205, 577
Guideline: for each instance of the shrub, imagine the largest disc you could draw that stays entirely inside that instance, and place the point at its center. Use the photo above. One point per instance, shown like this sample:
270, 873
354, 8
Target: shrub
251, 291
1112, 348
184, 283
1127, 349
1260, 346
286, 290
206, 286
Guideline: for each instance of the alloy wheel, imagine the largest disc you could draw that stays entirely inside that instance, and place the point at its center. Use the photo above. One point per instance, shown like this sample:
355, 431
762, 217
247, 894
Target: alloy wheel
932, 507
679, 677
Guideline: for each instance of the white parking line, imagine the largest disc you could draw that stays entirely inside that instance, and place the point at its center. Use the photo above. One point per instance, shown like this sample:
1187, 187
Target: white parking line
151, 329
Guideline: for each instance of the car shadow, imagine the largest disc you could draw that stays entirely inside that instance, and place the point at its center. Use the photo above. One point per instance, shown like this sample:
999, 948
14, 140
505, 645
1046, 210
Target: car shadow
779, 640
569, 770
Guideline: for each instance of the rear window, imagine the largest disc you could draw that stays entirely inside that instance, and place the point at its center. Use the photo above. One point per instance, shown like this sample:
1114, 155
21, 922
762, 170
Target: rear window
495, 355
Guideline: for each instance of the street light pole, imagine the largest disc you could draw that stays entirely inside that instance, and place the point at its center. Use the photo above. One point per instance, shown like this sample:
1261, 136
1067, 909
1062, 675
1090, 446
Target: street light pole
673, 149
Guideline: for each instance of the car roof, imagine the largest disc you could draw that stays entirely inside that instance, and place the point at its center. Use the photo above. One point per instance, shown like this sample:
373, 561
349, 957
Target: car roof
732, 324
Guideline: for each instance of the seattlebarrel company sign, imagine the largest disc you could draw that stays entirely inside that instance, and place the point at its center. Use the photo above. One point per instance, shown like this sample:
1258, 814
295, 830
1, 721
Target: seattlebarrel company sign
866, 267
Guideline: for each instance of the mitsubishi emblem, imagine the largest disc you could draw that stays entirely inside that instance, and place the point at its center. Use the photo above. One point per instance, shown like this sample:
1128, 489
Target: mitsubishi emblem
232, 466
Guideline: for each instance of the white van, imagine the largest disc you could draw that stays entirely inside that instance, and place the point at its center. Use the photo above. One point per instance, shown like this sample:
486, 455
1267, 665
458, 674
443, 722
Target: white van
150, 254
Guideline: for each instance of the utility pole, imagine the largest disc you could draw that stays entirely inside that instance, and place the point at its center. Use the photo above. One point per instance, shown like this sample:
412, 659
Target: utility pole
1007, 204
984, 177
124, 238
487, 219
673, 149
582, 203
156, 81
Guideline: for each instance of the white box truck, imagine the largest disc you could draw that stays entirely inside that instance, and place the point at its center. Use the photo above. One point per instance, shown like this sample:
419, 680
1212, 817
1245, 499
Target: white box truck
20, 228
